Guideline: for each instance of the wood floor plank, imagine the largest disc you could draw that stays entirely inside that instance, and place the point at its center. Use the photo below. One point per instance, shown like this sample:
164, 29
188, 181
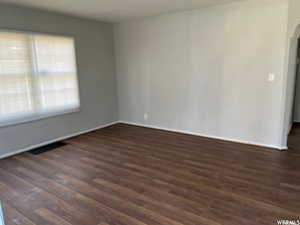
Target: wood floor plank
13, 217
201, 161
243, 188
215, 194
124, 175
115, 169
51, 217
78, 199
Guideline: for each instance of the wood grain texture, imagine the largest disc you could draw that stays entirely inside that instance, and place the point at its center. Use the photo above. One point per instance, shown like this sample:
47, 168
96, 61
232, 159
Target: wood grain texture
123, 175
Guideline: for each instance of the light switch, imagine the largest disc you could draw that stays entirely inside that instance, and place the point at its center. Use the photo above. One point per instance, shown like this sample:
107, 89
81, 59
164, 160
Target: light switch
271, 77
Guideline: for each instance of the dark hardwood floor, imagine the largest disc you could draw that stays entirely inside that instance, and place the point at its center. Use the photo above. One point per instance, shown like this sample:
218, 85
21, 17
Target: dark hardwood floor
132, 175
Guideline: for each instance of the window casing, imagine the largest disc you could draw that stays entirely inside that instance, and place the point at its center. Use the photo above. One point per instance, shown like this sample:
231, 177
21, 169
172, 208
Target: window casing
38, 77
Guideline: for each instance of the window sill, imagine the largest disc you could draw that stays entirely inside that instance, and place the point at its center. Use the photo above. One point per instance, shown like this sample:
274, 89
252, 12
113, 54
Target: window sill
37, 117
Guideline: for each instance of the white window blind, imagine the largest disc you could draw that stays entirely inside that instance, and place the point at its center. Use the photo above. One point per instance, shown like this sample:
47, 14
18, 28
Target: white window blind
38, 77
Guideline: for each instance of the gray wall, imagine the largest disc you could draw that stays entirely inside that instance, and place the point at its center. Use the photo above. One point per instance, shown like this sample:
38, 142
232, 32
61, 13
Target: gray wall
95, 57
206, 71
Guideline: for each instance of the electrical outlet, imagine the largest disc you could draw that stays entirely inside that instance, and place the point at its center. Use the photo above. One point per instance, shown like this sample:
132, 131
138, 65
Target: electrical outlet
146, 116
271, 77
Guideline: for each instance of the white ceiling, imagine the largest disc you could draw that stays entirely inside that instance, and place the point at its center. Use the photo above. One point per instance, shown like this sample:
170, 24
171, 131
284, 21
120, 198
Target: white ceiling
115, 10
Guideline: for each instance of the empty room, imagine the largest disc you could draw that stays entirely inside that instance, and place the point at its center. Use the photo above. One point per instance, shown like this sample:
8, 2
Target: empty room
138, 112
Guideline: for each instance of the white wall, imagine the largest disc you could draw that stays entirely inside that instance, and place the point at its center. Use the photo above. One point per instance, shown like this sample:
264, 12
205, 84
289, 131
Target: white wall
206, 70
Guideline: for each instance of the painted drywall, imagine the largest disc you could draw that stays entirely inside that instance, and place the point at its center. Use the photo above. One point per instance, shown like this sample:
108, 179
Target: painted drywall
96, 70
293, 33
206, 71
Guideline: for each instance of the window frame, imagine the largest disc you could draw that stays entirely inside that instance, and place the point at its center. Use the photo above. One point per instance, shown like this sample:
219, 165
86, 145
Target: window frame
36, 116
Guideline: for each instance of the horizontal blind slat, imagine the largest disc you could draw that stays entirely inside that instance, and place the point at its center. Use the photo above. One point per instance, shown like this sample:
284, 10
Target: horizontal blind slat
38, 75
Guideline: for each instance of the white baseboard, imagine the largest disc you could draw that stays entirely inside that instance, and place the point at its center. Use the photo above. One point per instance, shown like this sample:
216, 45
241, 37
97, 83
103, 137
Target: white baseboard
143, 125
55, 140
207, 136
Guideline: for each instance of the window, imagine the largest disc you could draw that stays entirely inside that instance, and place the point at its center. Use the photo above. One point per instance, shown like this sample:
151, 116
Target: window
38, 77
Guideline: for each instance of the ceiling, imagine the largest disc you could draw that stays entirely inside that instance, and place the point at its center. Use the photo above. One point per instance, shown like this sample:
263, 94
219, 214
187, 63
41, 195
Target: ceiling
115, 10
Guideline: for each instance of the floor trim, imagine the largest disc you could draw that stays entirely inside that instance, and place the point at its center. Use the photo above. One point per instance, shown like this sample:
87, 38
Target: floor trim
55, 140
280, 148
